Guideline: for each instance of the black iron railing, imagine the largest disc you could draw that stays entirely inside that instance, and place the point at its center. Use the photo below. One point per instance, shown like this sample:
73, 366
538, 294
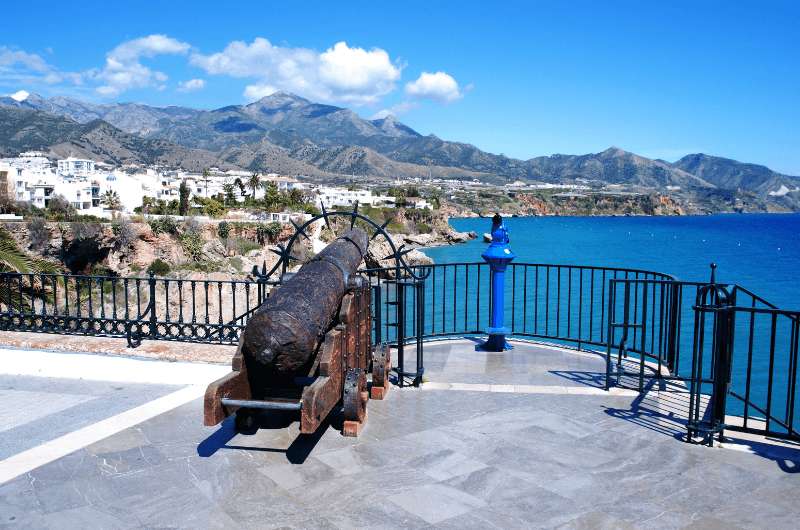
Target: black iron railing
192, 310
562, 303
637, 317
642, 319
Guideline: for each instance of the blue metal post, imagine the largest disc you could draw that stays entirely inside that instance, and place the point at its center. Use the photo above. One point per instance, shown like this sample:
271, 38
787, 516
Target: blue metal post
498, 256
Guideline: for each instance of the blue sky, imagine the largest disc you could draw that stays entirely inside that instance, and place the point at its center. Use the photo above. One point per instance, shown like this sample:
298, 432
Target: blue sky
525, 79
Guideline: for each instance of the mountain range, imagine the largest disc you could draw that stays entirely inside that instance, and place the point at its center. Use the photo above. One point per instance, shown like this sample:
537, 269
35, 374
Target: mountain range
288, 134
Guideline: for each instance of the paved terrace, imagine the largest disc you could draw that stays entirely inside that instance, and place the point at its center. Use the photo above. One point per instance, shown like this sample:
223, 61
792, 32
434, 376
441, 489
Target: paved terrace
525, 438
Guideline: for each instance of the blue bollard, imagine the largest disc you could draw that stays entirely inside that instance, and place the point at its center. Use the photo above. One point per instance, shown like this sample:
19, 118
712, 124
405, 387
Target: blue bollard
498, 256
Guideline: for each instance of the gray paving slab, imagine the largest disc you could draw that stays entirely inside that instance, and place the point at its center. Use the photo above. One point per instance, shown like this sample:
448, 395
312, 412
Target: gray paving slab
38, 409
427, 458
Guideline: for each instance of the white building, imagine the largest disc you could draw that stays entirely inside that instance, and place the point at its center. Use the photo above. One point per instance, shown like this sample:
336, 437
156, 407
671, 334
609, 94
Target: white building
334, 197
418, 203
76, 167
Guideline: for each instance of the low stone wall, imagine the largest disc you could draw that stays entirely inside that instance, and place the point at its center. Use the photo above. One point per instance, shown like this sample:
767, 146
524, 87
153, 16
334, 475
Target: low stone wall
162, 350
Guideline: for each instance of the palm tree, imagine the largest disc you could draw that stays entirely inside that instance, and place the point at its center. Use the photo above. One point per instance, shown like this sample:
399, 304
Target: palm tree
296, 197
206, 174
111, 201
272, 197
14, 260
253, 182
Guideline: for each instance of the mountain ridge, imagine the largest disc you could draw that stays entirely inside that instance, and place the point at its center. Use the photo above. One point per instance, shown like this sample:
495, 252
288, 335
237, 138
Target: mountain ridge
288, 133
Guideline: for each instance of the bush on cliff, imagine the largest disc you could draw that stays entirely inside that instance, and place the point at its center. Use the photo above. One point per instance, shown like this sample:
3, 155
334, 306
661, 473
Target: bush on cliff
159, 267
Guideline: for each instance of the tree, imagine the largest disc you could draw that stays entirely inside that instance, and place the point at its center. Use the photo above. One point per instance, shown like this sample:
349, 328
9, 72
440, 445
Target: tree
60, 208
296, 197
147, 203
183, 194
206, 174
229, 190
272, 197
12, 259
110, 200
253, 182
238, 182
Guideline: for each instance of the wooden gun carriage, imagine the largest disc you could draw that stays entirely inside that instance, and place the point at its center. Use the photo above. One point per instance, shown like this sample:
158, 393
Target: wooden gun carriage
335, 374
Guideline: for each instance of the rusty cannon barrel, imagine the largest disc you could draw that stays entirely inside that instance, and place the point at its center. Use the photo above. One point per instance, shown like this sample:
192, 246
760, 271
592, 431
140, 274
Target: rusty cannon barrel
284, 333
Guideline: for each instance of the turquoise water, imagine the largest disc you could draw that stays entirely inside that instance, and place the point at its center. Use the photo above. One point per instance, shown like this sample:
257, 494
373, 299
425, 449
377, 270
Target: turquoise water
759, 252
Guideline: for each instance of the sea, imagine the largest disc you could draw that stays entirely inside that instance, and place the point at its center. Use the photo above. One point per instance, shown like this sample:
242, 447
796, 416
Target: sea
760, 252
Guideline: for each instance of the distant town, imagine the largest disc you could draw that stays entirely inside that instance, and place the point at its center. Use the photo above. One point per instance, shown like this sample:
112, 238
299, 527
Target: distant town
94, 188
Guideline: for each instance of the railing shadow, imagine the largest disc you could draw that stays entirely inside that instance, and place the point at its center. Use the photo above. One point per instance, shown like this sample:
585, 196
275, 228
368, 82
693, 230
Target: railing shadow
590, 379
786, 455
662, 413
663, 408
296, 453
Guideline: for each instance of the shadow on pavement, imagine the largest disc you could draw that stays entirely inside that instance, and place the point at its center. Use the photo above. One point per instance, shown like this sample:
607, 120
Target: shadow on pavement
296, 453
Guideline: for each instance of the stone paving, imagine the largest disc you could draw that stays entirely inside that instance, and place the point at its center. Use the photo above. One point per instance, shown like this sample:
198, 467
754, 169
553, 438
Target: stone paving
495, 441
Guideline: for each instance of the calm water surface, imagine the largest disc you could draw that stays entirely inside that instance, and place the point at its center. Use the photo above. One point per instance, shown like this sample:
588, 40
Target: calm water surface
759, 252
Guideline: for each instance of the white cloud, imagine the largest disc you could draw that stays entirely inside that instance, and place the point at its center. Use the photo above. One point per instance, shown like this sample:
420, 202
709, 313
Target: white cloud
395, 110
255, 92
21, 67
191, 85
438, 86
340, 73
31, 61
123, 69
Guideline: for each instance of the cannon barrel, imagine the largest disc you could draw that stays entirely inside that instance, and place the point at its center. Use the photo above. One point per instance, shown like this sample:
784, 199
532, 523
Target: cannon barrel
285, 331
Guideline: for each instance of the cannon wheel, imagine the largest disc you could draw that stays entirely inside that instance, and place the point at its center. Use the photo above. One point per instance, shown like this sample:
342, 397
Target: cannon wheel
355, 389
381, 367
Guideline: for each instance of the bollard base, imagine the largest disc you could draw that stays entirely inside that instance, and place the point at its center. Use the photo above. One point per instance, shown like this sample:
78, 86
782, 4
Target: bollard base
496, 342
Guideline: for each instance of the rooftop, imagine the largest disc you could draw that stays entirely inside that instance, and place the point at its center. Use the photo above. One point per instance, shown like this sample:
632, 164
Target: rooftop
523, 438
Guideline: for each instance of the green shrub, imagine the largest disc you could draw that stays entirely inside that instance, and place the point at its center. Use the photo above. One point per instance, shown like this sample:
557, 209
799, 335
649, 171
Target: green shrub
268, 232
166, 224
192, 243
159, 267
424, 228
201, 266
236, 263
243, 246
224, 230
396, 228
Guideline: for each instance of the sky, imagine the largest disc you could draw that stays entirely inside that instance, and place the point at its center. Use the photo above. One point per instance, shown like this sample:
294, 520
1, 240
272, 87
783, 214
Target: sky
661, 79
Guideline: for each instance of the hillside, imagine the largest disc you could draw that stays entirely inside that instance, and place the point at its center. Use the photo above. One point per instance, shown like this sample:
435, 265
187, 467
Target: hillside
731, 174
288, 134
614, 166
26, 129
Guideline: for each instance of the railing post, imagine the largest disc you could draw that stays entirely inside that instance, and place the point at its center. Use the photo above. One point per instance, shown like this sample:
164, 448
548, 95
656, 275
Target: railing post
672, 326
610, 331
419, 310
722, 367
377, 312
153, 318
716, 300
400, 299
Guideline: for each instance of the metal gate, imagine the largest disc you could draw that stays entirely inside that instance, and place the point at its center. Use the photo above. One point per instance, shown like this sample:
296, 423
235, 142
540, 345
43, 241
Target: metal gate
731, 353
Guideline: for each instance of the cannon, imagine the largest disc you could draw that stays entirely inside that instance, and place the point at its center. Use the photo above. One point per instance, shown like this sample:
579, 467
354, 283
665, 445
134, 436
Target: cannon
308, 348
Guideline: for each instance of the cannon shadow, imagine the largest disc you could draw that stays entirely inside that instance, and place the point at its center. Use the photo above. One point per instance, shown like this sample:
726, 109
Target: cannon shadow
296, 453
